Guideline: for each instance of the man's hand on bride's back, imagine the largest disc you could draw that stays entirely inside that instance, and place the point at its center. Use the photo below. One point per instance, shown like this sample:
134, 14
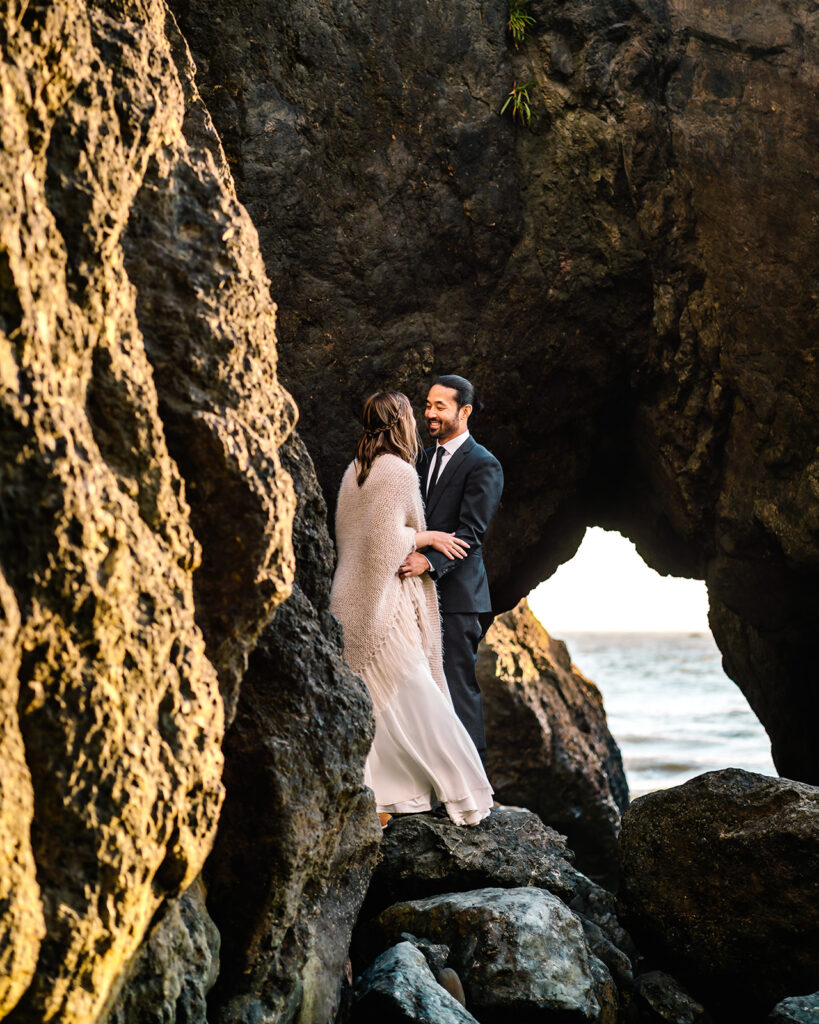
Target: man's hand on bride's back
448, 544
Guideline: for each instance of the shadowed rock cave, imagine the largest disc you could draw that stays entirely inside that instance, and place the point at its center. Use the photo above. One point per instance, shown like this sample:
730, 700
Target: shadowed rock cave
644, 350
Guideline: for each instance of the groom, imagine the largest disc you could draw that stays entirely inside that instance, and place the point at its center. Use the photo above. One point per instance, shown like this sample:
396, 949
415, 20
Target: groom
461, 483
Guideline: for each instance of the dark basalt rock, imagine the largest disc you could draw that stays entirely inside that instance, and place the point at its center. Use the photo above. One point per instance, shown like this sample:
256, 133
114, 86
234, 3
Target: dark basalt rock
659, 999
549, 747
629, 283
518, 951
400, 987
719, 882
422, 854
175, 968
796, 1010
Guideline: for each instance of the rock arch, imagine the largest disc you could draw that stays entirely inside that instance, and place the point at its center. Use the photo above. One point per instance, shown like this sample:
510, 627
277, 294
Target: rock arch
627, 282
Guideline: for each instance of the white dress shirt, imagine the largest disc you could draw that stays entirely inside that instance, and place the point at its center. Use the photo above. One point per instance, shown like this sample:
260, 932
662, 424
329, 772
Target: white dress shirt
450, 447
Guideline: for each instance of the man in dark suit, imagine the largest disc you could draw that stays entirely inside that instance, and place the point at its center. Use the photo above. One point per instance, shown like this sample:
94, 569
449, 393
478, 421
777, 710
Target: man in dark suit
462, 483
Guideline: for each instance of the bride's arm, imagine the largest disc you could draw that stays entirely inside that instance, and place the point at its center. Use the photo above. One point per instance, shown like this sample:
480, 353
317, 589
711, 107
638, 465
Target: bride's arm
447, 543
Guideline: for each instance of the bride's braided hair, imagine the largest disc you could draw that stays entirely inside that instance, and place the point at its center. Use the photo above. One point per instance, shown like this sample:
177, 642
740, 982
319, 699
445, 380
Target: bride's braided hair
388, 426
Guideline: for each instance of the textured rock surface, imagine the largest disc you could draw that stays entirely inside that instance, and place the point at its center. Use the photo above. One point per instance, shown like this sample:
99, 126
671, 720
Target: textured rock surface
400, 986
298, 836
719, 879
658, 998
550, 748
516, 950
175, 968
629, 283
21, 921
107, 154
424, 855
796, 1010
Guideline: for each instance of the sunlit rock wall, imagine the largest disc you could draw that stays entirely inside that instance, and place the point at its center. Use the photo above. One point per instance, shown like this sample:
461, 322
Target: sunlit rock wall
138, 376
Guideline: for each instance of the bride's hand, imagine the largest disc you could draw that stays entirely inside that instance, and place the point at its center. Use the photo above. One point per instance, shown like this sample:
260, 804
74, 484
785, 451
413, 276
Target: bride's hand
448, 544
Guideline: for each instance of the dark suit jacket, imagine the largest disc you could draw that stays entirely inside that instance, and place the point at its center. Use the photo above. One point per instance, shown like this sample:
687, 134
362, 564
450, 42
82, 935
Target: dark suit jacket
464, 501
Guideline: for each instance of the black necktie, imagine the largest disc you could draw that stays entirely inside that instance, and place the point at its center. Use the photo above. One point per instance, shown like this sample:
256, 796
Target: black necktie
439, 458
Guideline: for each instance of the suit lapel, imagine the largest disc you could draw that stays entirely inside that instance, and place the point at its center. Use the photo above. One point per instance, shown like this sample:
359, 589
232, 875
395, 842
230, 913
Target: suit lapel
448, 471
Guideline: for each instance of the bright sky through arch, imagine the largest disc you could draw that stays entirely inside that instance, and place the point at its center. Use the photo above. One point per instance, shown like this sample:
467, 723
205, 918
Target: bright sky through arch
608, 587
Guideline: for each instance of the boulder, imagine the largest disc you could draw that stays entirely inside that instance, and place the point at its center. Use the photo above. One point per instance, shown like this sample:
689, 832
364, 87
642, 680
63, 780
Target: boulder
719, 881
175, 968
659, 999
424, 854
400, 987
796, 1010
518, 951
549, 747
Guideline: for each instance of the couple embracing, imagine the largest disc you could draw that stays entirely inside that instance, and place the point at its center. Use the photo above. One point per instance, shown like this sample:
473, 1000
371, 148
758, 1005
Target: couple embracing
408, 522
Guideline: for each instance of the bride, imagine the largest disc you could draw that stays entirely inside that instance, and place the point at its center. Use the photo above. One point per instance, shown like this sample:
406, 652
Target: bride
392, 630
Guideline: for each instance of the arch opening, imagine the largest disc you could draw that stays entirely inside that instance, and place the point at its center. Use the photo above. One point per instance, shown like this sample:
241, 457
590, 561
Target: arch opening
645, 641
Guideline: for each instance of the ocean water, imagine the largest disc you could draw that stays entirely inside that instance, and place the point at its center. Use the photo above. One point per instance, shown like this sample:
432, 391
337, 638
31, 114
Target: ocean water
670, 707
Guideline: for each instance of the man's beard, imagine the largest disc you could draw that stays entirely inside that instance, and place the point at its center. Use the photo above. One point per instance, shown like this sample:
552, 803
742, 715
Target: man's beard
445, 428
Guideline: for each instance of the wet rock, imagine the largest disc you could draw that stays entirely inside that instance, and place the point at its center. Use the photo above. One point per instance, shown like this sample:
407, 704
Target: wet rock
423, 854
718, 880
659, 999
618, 964
518, 950
549, 746
117, 210
435, 954
796, 1010
298, 837
399, 987
611, 279
175, 968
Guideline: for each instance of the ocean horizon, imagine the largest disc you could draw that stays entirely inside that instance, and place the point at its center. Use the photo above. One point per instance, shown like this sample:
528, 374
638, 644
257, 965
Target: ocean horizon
670, 706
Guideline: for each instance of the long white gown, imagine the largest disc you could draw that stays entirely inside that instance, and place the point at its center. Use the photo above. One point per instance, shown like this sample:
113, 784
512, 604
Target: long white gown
421, 749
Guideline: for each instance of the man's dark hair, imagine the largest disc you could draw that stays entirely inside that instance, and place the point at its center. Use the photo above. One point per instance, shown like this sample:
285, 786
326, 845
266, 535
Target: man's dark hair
465, 393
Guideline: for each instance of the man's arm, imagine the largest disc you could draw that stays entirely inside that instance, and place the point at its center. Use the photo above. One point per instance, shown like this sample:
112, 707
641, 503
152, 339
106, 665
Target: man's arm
481, 497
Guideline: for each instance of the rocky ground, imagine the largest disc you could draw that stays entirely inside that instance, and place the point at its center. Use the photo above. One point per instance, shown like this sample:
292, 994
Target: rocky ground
718, 895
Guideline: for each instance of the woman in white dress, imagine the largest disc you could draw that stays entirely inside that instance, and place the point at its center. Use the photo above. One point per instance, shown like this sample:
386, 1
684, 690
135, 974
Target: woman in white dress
392, 629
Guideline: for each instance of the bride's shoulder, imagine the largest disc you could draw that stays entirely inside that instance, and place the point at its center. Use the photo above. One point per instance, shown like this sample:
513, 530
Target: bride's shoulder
395, 466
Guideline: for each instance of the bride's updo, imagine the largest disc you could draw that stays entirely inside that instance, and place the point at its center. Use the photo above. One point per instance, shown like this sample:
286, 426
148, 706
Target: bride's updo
389, 426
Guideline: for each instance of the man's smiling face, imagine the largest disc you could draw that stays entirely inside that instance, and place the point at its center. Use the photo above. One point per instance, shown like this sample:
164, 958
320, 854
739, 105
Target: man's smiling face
444, 419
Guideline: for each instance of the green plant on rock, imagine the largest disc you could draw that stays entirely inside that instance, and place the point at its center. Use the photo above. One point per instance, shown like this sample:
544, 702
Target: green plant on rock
519, 20
518, 104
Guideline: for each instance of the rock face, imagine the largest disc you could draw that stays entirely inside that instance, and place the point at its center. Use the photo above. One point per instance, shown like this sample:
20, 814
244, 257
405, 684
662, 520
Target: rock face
298, 836
176, 967
138, 368
399, 986
516, 950
628, 282
718, 879
549, 745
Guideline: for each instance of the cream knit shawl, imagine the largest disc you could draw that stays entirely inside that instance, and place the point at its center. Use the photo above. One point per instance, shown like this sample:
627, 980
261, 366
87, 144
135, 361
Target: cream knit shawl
384, 617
